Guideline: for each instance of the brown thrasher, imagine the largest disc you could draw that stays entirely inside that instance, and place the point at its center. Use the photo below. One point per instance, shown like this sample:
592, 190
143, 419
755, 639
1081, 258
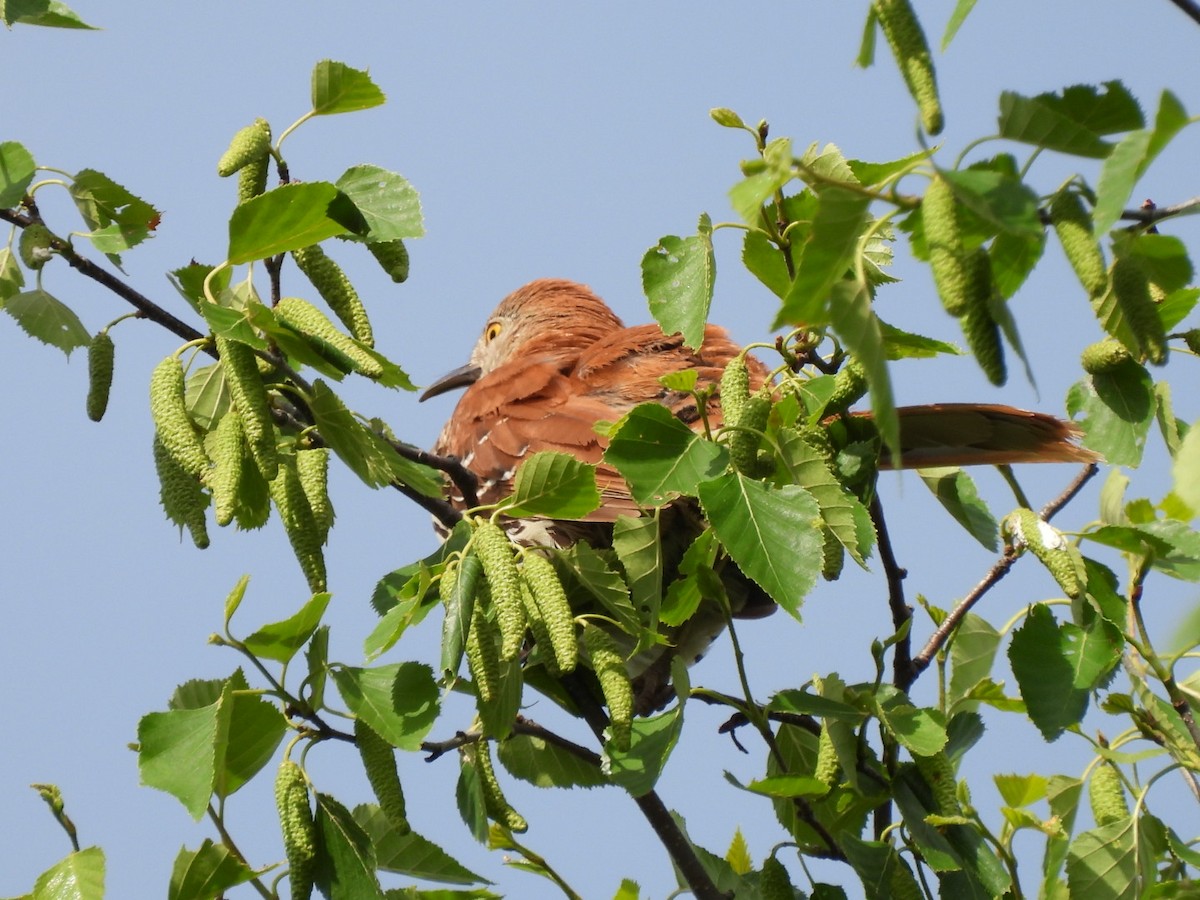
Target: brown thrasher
554, 360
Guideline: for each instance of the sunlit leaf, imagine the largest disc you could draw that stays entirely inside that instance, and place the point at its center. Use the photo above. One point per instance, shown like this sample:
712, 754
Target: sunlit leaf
337, 88
678, 276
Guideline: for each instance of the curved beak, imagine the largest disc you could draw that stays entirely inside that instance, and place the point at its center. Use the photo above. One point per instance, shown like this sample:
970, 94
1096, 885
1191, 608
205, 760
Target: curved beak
463, 376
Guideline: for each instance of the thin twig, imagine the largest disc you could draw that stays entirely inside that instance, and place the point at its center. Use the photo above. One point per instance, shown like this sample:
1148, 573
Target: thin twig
903, 672
1189, 8
998, 571
652, 808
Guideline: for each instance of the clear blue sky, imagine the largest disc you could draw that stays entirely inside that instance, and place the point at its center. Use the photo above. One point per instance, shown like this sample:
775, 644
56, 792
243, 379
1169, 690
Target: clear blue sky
546, 140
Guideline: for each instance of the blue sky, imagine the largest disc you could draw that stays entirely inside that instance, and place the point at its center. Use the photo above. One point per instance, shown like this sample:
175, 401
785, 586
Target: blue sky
545, 141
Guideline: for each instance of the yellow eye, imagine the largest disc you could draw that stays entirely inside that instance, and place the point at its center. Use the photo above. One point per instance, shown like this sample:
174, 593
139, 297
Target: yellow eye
493, 331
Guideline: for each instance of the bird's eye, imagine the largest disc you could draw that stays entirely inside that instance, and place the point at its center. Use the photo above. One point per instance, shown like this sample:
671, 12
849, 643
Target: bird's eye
493, 331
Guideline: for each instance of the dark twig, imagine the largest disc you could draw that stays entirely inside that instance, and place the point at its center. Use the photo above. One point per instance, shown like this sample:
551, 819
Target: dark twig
998, 571
903, 673
1189, 8
521, 725
652, 808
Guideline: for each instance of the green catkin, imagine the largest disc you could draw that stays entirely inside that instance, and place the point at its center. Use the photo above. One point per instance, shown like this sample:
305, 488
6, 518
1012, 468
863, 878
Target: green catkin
34, 246
943, 237
392, 256
299, 829
827, 768
774, 883
744, 441
182, 498
483, 655
495, 552
336, 290
297, 516
610, 670
833, 555
340, 349
379, 762
1131, 289
1073, 226
817, 437
938, 772
907, 40
228, 447
1104, 357
101, 353
980, 329
497, 805
551, 601
1106, 795
1049, 546
168, 408
240, 365
247, 145
252, 179
849, 386
734, 390
312, 465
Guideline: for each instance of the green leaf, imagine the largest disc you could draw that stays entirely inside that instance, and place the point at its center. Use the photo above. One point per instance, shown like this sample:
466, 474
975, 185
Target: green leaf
409, 853
900, 344
588, 568
870, 174
639, 548
998, 198
1013, 257
1185, 470
179, 751
79, 876
345, 857
365, 454
773, 534
1130, 159
842, 511
955, 490
206, 872
289, 217
920, 731
280, 640
677, 277
1020, 790
1118, 410
11, 279
1111, 861
1045, 674
659, 456
854, 319
554, 485
17, 169
1070, 123
46, 13
1093, 651
972, 652
48, 319
962, 9
544, 764
827, 254
413, 604
787, 787
390, 205
638, 768
400, 701
118, 218
337, 88
766, 262
255, 729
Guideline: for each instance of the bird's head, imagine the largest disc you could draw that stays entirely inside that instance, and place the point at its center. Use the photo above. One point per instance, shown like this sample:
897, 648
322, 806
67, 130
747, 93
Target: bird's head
548, 319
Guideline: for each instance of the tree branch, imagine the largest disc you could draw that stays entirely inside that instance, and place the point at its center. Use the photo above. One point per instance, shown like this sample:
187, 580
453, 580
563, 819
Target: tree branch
903, 672
1189, 8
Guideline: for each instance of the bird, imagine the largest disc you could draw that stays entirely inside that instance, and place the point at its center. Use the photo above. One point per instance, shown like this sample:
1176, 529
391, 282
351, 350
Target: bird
554, 360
